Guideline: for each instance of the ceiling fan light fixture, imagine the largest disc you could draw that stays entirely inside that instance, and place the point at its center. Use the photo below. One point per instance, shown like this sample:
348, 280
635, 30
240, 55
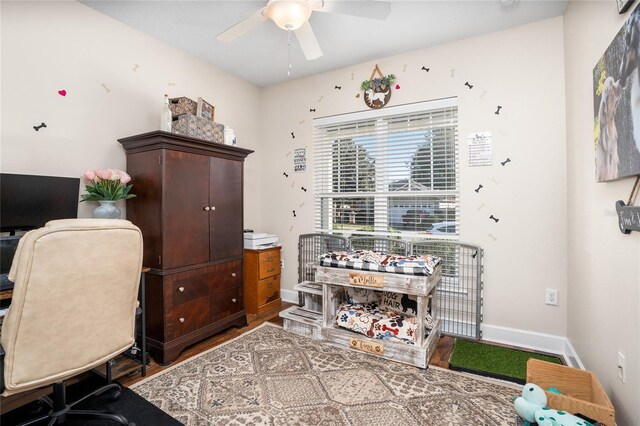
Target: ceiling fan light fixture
288, 14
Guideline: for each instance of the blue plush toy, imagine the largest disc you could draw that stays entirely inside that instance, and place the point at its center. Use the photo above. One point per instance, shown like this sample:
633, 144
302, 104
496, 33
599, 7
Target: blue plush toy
532, 407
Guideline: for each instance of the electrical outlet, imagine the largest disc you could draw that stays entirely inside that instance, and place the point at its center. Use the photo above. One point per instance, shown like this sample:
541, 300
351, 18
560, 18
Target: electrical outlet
551, 297
621, 370
281, 263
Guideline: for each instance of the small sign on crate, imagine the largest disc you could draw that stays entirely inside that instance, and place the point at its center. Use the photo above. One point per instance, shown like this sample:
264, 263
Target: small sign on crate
366, 346
367, 280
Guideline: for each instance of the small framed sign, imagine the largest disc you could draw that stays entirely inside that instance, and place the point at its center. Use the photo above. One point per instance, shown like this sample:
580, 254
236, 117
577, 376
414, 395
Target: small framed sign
205, 109
300, 160
623, 5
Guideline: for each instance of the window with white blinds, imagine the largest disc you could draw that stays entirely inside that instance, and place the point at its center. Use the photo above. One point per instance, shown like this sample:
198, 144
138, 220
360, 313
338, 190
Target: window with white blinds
389, 172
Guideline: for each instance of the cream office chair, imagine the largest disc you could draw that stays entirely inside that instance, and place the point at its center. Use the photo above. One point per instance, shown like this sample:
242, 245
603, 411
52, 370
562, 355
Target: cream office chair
73, 307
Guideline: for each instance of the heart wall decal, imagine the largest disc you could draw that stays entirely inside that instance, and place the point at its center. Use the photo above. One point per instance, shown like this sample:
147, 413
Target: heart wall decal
62, 92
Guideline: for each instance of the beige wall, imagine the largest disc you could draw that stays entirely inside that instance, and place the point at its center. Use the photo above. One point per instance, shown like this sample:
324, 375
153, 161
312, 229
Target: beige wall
50, 46
520, 69
603, 264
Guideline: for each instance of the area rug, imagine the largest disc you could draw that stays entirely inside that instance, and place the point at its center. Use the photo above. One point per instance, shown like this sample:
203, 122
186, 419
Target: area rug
494, 361
131, 405
269, 376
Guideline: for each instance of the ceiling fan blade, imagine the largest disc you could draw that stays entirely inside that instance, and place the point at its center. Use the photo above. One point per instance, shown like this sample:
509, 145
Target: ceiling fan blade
308, 42
243, 26
364, 9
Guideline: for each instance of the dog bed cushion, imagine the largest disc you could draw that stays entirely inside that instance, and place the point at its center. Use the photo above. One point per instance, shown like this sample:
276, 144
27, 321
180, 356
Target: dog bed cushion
372, 321
404, 304
374, 261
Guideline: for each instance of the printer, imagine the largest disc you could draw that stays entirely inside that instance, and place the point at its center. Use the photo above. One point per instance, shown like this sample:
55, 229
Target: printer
257, 241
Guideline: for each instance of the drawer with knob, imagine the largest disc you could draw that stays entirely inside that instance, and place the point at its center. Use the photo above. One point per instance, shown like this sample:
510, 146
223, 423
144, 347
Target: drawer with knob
226, 275
226, 303
187, 317
183, 287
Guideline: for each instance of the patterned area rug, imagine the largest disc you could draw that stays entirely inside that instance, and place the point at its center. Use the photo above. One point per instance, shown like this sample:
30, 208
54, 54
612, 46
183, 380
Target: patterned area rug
269, 376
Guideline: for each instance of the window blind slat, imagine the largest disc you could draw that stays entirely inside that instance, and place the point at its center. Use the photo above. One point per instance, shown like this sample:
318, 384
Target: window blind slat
389, 174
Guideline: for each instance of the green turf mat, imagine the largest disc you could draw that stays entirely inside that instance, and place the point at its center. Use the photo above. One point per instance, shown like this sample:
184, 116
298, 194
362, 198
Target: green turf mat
493, 361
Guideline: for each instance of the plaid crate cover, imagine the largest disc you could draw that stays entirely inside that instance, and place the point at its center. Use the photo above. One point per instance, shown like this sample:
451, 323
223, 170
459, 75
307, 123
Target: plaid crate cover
373, 261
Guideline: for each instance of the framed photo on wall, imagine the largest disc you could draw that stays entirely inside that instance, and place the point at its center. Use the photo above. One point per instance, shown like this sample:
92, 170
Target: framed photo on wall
205, 109
616, 105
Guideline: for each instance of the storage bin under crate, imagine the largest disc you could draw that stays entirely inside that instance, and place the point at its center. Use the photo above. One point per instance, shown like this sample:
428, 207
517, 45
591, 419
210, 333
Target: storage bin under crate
196, 127
581, 392
182, 105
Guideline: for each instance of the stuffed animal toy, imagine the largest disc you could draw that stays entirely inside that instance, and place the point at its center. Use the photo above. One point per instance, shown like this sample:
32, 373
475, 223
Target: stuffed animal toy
532, 407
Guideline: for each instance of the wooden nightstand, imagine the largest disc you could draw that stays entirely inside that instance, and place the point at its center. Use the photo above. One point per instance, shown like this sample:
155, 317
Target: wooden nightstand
262, 280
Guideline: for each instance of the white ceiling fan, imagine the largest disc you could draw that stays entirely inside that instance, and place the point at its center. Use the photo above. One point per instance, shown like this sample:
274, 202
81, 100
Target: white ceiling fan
293, 15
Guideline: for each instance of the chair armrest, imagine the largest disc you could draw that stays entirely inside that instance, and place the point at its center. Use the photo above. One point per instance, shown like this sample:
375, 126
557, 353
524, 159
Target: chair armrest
1, 369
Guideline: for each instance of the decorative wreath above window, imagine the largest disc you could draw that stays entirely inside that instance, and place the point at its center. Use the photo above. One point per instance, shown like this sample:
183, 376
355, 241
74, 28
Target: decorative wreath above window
377, 91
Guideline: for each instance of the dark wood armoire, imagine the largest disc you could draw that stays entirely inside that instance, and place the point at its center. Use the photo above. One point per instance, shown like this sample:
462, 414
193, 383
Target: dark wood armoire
189, 207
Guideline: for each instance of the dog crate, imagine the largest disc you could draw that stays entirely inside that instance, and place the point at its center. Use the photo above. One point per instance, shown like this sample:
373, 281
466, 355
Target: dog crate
311, 247
460, 291
306, 319
459, 295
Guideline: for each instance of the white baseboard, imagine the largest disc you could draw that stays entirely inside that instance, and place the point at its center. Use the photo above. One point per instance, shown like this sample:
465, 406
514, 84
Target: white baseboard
532, 340
290, 296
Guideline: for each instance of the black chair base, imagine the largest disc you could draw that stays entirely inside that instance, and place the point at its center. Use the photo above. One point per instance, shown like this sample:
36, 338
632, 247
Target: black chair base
60, 410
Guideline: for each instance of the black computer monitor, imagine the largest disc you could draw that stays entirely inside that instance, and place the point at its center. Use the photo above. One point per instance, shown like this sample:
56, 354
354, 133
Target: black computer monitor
28, 202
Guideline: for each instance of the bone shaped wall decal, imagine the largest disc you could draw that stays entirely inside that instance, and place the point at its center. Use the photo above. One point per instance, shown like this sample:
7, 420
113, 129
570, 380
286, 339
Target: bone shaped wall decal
37, 128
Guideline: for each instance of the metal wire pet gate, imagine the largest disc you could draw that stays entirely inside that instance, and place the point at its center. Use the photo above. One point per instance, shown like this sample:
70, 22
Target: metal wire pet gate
460, 291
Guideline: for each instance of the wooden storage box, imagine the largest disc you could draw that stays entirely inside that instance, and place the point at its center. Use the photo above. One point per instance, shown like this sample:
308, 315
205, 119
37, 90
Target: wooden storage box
196, 127
581, 392
183, 105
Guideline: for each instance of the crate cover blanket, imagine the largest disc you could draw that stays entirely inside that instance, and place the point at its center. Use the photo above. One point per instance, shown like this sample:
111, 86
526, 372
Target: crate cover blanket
380, 262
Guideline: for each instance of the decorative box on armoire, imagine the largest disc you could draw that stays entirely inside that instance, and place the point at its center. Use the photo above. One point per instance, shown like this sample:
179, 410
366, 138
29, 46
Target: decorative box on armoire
188, 206
262, 280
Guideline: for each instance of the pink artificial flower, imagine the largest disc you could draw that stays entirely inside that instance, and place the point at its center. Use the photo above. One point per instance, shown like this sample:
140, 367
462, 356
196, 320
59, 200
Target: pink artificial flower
104, 174
89, 175
124, 177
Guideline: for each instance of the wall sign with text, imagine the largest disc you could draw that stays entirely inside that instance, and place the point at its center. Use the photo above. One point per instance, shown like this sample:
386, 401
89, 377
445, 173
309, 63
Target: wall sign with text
300, 160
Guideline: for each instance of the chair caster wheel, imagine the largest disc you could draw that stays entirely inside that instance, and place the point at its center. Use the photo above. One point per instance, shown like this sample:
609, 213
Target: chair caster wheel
115, 395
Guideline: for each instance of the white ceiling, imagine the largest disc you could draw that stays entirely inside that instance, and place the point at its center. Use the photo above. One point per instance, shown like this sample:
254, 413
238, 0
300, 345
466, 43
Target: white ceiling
261, 57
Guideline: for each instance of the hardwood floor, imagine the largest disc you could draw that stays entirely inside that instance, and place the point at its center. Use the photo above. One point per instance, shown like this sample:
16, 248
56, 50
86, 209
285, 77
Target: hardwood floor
440, 357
